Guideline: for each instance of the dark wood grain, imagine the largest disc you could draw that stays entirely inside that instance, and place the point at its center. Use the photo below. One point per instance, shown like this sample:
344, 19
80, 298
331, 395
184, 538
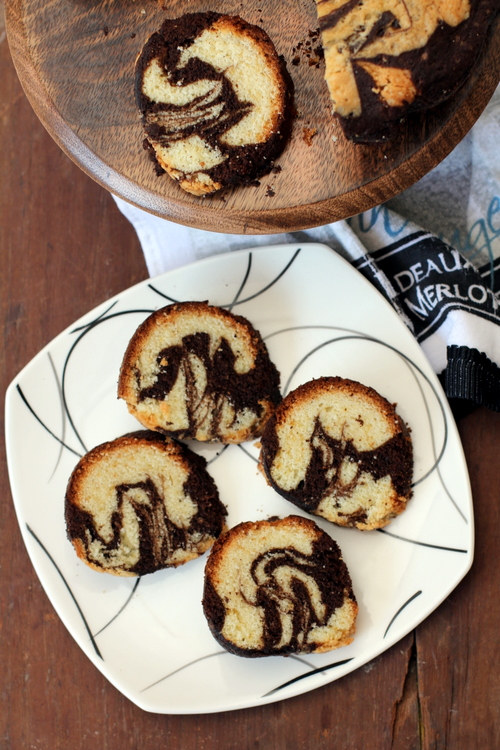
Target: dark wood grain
75, 60
64, 248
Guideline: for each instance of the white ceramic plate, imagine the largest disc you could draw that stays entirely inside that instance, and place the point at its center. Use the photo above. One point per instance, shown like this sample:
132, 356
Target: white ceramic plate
148, 636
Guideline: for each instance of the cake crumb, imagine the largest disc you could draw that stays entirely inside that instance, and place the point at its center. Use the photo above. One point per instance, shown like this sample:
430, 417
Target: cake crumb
308, 135
305, 51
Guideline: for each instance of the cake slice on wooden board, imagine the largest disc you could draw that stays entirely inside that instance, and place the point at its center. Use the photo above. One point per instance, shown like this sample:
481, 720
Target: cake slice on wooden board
388, 58
278, 587
338, 449
141, 503
215, 101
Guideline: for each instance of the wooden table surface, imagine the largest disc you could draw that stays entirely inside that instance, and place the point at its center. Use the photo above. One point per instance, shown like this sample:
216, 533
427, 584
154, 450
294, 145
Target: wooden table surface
64, 248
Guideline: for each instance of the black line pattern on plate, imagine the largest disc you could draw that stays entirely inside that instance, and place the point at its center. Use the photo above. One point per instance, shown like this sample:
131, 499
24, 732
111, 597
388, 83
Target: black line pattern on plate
162, 294
80, 611
438, 468
52, 434
122, 608
226, 653
273, 282
242, 285
236, 301
97, 320
185, 666
308, 674
63, 415
312, 327
247, 453
84, 330
61, 387
403, 606
219, 453
422, 544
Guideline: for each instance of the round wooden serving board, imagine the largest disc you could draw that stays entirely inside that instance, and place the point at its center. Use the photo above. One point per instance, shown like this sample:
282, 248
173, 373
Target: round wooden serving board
75, 60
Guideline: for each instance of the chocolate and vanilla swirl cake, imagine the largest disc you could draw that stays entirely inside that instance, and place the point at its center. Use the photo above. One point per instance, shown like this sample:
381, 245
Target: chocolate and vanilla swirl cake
215, 101
338, 449
278, 587
141, 503
387, 58
193, 370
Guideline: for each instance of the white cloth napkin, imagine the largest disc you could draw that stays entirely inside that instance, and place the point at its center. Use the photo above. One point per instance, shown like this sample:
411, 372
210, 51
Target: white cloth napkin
433, 251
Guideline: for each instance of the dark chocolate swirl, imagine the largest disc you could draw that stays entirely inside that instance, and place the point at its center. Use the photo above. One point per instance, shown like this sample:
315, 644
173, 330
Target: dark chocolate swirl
158, 536
223, 383
295, 598
323, 477
208, 116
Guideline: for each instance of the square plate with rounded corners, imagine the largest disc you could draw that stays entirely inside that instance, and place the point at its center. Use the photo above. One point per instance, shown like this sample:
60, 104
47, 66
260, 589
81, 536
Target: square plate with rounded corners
148, 636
